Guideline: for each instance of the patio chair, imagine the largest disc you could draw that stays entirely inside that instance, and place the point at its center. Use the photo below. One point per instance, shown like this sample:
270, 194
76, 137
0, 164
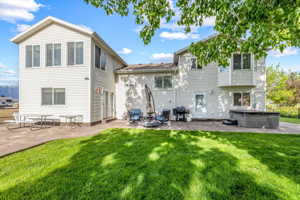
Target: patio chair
164, 116
17, 121
135, 115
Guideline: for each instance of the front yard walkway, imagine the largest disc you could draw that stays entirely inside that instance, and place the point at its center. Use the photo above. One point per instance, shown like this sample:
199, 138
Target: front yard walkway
20, 139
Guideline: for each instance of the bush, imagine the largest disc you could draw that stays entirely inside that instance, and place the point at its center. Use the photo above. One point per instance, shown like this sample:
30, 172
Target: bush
285, 111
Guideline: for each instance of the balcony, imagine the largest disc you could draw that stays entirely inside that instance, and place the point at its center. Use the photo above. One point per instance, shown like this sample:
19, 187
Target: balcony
229, 78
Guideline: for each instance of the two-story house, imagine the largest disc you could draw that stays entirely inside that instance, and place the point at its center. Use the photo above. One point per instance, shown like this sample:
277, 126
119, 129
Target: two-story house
66, 69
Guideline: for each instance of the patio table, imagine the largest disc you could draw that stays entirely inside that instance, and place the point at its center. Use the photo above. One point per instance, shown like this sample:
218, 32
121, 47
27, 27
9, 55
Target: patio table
70, 120
41, 118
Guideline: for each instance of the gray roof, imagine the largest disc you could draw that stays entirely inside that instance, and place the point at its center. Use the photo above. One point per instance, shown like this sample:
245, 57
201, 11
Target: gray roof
161, 67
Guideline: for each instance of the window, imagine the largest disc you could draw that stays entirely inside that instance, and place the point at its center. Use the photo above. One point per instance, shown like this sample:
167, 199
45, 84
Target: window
241, 99
103, 61
223, 69
199, 101
195, 64
59, 96
112, 104
97, 57
242, 61
32, 55
46, 96
163, 82
53, 96
53, 54
75, 53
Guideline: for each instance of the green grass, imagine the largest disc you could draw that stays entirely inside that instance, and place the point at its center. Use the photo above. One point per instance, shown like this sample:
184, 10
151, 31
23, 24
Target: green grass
151, 164
290, 120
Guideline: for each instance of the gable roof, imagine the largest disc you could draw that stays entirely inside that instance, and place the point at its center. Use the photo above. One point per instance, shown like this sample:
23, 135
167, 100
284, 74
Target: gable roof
138, 68
52, 20
180, 51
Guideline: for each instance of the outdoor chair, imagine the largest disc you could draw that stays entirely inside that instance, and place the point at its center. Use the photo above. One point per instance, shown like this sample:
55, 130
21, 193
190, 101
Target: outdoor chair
19, 121
15, 123
164, 116
135, 115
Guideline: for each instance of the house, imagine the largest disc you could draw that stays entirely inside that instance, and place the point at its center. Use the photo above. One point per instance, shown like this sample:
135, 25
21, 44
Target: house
66, 69
6, 101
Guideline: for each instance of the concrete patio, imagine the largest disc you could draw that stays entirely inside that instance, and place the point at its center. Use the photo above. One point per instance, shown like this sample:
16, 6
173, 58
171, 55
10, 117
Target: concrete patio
23, 138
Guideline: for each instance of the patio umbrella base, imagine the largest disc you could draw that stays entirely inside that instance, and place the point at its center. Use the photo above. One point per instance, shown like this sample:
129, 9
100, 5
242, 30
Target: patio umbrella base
152, 123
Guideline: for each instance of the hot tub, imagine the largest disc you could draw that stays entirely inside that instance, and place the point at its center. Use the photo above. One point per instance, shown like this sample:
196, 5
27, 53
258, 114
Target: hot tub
255, 119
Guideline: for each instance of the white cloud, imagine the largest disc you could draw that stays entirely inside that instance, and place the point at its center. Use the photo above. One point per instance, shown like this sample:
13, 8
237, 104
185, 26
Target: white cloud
178, 35
2, 66
162, 56
22, 27
286, 52
209, 21
85, 27
9, 72
125, 51
12, 10
291, 68
138, 29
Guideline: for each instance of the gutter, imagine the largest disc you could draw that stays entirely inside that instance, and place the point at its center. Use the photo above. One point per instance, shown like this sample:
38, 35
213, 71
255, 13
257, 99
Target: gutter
146, 71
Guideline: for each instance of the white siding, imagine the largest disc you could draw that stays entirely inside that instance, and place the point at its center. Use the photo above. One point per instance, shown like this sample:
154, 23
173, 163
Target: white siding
130, 93
187, 83
218, 100
104, 80
75, 79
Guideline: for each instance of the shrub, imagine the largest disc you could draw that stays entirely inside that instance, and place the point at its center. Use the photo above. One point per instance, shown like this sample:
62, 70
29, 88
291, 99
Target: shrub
285, 111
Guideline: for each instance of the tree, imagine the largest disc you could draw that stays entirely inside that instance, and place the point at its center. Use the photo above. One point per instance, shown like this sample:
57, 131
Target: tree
242, 25
278, 91
293, 83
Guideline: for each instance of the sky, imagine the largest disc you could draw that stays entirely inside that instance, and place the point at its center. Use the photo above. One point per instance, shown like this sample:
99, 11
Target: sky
121, 33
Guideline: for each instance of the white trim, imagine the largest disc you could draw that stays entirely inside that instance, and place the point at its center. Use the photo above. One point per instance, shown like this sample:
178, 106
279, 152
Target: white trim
32, 56
163, 88
204, 100
105, 55
204, 40
53, 55
242, 62
52, 95
67, 53
242, 98
197, 68
50, 20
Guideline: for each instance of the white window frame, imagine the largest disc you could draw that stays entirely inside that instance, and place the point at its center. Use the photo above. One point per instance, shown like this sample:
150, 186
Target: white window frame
163, 82
32, 56
204, 100
242, 62
101, 56
53, 96
53, 65
75, 53
242, 98
197, 68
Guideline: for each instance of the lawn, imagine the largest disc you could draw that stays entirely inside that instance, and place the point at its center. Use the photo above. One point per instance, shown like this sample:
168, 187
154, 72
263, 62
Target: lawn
155, 164
290, 120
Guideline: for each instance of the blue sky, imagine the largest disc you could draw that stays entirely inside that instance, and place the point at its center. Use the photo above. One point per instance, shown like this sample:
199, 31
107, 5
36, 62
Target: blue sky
121, 33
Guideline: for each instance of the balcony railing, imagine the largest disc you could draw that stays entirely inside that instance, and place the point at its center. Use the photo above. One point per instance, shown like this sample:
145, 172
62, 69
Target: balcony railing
227, 78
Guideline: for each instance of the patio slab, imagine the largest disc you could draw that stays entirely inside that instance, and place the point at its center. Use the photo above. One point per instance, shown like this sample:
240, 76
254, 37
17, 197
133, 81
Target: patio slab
23, 138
